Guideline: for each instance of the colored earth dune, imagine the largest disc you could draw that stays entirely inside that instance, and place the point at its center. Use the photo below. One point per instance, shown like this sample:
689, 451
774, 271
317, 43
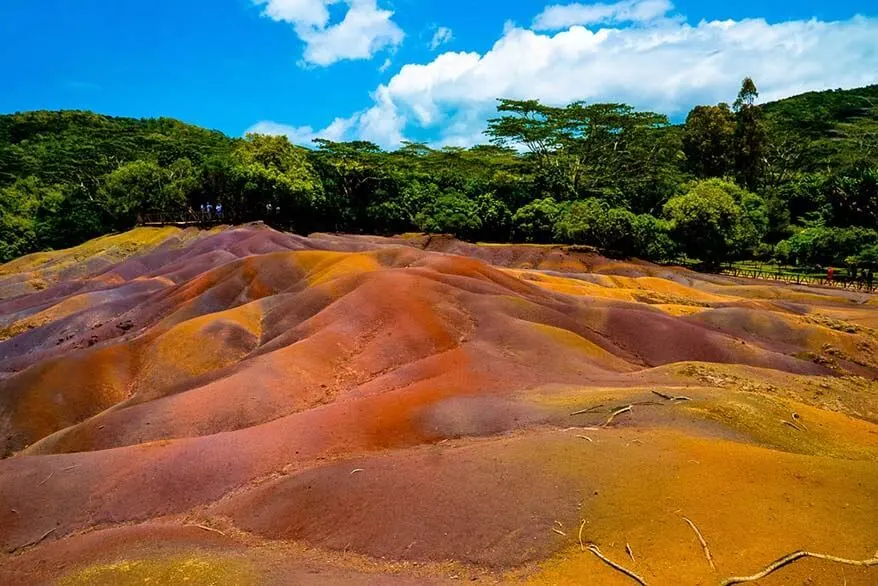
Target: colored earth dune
243, 406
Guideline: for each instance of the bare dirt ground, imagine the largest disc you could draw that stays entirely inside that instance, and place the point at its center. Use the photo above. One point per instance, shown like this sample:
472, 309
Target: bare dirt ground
242, 406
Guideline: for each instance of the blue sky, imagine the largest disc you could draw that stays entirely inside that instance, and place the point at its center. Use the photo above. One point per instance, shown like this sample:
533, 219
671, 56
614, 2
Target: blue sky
366, 68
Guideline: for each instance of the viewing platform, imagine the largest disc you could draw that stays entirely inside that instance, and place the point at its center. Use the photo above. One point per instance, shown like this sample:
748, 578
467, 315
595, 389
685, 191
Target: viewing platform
182, 220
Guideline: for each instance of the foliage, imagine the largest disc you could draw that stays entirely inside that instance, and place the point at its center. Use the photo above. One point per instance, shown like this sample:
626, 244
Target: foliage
652, 239
69, 146
535, 222
822, 246
274, 178
716, 219
450, 213
495, 217
587, 150
852, 196
708, 139
796, 178
749, 141
18, 209
145, 186
614, 230
867, 258
840, 126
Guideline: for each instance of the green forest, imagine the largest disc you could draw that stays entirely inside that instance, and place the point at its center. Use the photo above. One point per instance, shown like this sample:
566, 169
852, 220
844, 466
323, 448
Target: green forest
793, 181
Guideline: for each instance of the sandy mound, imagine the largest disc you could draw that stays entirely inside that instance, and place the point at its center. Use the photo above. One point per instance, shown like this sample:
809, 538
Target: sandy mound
407, 402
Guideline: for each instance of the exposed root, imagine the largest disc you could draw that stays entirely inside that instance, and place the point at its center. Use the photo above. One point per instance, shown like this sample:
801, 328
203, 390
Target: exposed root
45, 535
703, 543
630, 553
69, 468
788, 559
581, 546
616, 413
41, 539
791, 424
594, 549
559, 532
585, 437
211, 529
628, 407
355, 470
47, 478
588, 410
671, 397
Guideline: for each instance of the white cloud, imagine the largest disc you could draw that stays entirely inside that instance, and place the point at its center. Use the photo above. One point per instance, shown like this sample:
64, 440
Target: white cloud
384, 66
364, 30
383, 123
442, 36
557, 17
666, 65
301, 12
304, 135
380, 123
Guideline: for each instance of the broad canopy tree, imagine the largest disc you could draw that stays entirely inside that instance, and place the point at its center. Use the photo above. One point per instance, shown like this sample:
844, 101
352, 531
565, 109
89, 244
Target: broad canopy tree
716, 219
589, 150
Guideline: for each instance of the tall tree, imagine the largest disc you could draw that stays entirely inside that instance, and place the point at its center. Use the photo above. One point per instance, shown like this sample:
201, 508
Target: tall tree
708, 140
750, 137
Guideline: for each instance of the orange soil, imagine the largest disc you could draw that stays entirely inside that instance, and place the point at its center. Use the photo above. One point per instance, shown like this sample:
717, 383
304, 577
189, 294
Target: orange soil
355, 409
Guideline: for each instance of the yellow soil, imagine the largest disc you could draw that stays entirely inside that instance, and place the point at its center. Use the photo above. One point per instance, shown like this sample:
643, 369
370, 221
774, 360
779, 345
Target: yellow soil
202, 570
589, 349
116, 246
666, 295
751, 504
196, 346
322, 267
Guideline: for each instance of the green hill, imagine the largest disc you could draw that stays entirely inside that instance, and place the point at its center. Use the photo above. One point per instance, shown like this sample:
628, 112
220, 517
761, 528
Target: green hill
61, 146
69, 145
840, 125
793, 180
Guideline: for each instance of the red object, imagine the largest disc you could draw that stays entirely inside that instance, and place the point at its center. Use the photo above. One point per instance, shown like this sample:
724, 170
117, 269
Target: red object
829, 274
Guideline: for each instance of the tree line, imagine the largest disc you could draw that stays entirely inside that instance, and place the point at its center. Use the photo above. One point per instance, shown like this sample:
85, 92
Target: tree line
795, 181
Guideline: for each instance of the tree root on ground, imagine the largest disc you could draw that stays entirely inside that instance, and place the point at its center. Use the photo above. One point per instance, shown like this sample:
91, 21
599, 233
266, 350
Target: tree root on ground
211, 529
594, 549
703, 543
616, 413
797, 555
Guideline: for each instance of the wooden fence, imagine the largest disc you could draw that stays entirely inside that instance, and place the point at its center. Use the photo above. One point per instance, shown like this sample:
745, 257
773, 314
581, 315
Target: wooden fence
188, 218
837, 282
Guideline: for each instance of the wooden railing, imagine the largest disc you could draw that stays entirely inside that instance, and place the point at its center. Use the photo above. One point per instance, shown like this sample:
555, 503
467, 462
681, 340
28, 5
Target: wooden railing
187, 218
838, 282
